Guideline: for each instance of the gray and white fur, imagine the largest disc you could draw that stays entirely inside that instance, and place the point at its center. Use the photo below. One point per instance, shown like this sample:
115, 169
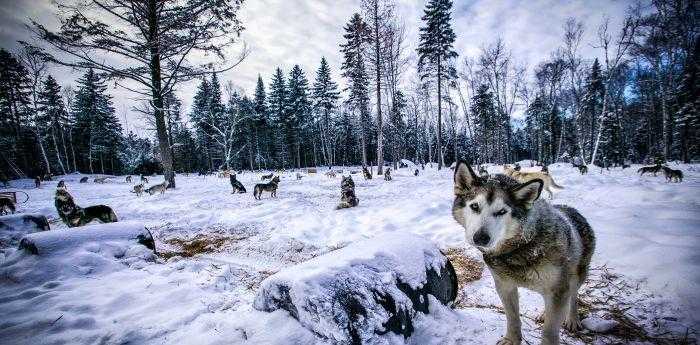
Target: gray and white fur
528, 243
347, 194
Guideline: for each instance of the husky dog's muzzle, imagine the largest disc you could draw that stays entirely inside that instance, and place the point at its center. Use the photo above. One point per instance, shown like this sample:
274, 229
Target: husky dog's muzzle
482, 238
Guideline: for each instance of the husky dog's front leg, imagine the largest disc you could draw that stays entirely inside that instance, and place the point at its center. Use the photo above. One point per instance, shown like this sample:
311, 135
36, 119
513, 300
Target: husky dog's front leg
554, 308
508, 292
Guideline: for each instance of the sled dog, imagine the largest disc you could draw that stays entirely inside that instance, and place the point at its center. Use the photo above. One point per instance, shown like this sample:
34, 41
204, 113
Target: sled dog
158, 188
387, 174
266, 177
672, 174
7, 206
100, 180
525, 242
347, 194
415, 172
74, 215
144, 179
367, 174
547, 180
581, 168
128, 179
654, 169
267, 187
138, 189
483, 171
236, 185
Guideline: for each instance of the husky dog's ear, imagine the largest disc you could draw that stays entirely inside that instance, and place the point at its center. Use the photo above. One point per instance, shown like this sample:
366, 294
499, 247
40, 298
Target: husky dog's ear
528, 192
465, 178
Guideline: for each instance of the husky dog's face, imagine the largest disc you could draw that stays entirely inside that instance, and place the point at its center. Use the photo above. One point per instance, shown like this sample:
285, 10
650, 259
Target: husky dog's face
347, 182
276, 179
491, 210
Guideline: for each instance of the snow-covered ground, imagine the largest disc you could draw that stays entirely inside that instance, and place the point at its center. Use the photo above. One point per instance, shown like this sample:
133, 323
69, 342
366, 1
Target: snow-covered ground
648, 237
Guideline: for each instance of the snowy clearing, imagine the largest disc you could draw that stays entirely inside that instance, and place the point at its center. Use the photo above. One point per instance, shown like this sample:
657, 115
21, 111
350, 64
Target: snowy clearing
214, 248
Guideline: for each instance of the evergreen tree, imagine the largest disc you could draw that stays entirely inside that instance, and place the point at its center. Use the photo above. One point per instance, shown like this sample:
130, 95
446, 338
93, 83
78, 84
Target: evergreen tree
15, 142
435, 51
263, 133
277, 103
325, 97
298, 108
199, 115
591, 106
51, 118
356, 38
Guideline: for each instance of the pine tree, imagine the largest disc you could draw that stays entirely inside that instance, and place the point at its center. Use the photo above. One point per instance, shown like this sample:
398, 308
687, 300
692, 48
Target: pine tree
298, 108
591, 105
325, 97
356, 39
15, 142
199, 116
277, 103
51, 117
435, 51
263, 123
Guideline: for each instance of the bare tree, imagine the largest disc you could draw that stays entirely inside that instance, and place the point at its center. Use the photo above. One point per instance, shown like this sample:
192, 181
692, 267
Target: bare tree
31, 58
144, 46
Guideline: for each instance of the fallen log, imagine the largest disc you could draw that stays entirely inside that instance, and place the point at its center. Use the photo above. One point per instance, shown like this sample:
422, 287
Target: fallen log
50, 242
366, 289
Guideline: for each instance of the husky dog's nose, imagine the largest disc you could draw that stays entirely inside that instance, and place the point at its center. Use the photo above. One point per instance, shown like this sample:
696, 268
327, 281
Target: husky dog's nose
481, 238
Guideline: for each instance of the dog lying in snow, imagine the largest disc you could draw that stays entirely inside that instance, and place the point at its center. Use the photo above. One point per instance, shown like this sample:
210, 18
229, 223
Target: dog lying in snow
528, 243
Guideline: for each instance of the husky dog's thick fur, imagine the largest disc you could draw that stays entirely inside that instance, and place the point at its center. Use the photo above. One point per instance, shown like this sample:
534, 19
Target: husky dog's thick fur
84, 179
37, 182
387, 174
649, 169
236, 185
100, 180
7, 206
267, 187
266, 177
144, 179
158, 188
520, 176
74, 215
347, 194
367, 174
138, 189
672, 174
128, 179
581, 168
525, 242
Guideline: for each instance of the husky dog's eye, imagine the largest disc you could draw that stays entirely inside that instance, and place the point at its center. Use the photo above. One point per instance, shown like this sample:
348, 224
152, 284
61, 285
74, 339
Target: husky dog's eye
474, 207
500, 212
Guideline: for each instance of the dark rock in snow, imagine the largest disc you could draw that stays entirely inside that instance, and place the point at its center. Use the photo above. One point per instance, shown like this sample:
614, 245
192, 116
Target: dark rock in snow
369, 288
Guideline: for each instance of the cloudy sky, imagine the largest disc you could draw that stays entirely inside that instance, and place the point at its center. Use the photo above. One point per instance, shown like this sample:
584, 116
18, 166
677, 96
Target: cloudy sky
287, 32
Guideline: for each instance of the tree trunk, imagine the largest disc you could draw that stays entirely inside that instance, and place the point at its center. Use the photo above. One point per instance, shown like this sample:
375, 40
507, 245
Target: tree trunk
58, 155
72, 149
43, 152
378, 65
600, 127
439, 118
157, 94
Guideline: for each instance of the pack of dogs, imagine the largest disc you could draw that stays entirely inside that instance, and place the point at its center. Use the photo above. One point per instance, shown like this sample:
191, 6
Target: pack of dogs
672, 175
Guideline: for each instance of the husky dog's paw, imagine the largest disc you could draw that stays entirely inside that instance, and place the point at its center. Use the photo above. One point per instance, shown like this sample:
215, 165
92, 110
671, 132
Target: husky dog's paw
506, 341
572, 325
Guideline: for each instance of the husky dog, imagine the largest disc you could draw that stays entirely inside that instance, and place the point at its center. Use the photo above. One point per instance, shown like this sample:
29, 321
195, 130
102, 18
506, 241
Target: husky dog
366, 173
7, 206
545, 169
74, 215
84, 179
483, 171
525, 242
267, 187
158, 188
581, 168
672, 174
517, 167
299, 176
415, 172
100, 180
387, 174
236, 185
347, 194
61, 184
547, 180
144, 179
649, 169
330, 174
266, 177
138, 189
128, 179
37, 182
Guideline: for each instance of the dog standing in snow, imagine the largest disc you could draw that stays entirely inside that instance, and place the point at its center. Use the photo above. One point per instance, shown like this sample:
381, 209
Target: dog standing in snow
74, 215
520, 176
158, 188
387, 174
267, 187
138, 189
528, 243
347, 194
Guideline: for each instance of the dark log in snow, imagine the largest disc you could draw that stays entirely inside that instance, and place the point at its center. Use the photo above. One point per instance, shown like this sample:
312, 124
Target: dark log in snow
50, 242
366, 289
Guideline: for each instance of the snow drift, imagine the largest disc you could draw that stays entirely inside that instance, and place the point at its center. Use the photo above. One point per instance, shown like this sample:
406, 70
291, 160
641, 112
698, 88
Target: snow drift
373, 286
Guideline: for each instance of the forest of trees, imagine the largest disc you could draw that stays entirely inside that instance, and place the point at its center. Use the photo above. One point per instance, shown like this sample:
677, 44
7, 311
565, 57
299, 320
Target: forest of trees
637, 102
